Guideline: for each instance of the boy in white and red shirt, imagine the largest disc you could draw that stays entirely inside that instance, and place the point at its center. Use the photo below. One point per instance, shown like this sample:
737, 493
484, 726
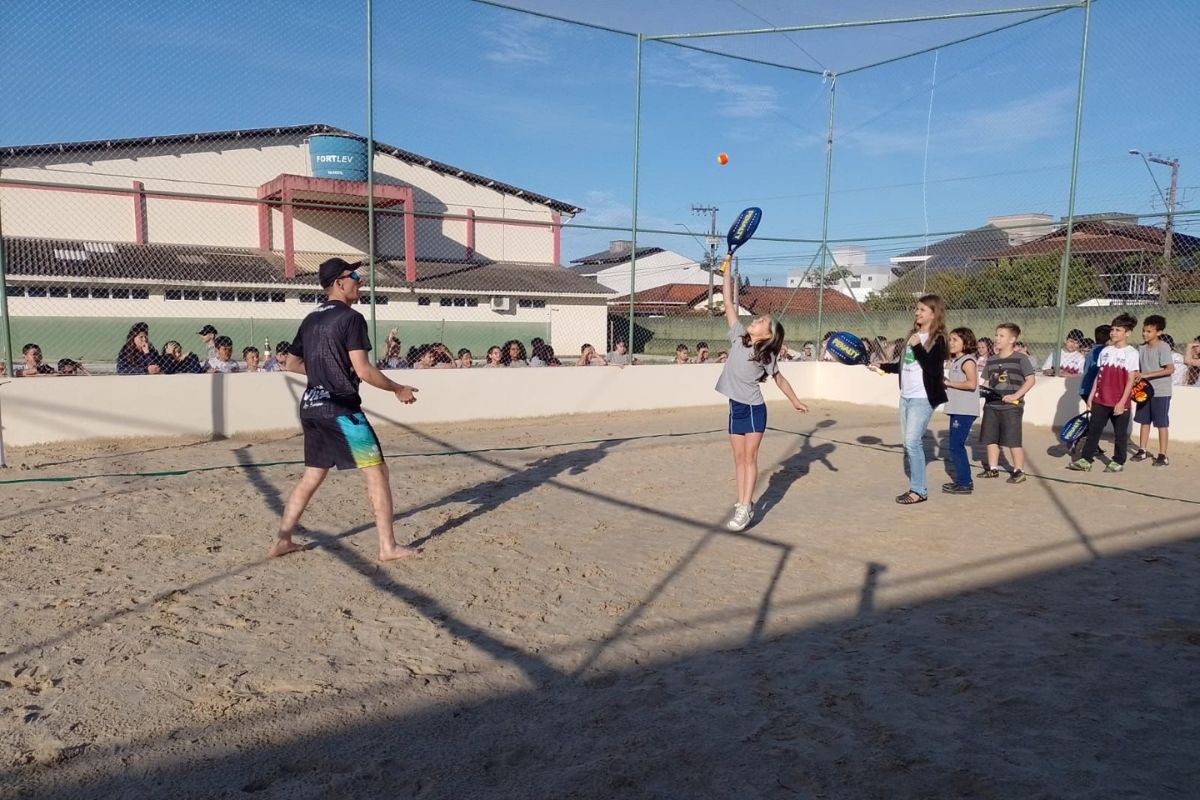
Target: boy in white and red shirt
1109, 399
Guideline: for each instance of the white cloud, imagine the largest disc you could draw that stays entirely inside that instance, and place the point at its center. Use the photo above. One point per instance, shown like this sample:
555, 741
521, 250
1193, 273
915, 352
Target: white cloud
999, 129
692, 71
520, 39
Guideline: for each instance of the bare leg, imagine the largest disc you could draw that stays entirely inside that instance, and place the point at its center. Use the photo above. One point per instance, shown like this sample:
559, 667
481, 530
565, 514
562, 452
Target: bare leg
380, 492
1018, 458
296, 503
749, 468
993, 456
1162, 440
738, 442
1144, 436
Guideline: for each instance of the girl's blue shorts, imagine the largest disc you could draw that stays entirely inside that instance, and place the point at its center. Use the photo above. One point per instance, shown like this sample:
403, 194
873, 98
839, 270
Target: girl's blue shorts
747, 419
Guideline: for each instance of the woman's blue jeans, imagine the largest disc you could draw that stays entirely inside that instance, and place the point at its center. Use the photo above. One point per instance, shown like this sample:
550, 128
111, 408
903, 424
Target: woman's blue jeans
960, 429
915, 414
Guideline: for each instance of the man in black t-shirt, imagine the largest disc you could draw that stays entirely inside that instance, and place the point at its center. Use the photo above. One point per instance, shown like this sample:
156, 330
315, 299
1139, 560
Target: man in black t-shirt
331, 348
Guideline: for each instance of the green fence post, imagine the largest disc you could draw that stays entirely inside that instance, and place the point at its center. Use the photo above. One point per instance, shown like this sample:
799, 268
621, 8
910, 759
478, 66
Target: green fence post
637, 135
1065, 269
825, 214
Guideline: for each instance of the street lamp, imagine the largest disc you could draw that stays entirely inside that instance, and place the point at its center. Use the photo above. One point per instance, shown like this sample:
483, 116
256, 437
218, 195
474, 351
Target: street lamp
1169, 201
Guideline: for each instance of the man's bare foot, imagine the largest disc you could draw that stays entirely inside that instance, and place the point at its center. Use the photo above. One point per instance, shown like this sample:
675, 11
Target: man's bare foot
398, 552
282, 547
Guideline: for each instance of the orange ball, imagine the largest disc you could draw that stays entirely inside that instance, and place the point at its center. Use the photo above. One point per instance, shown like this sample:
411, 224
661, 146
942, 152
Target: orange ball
722, 159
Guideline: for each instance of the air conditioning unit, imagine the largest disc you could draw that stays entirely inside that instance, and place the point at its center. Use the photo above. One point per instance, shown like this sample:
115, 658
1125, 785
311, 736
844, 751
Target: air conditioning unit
501, 303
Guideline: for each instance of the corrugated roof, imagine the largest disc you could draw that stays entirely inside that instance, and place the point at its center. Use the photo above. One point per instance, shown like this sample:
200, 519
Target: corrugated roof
194, 265
682, 298
608, 258
1092, 237
297, 131
956, 252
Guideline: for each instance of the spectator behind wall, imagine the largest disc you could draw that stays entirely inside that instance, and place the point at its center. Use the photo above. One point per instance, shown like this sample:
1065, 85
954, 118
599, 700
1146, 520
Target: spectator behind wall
223, 362
513, 354
174, 362
275, 363
137, 356
32, 366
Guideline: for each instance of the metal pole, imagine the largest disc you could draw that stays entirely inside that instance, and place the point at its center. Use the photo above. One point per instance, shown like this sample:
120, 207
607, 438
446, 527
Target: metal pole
825, 214
4, 328
1064, 269
637, 137
1169, 239
371, 172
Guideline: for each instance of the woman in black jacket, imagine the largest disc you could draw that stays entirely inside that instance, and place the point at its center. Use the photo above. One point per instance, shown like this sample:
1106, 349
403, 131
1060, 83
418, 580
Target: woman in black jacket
920, 367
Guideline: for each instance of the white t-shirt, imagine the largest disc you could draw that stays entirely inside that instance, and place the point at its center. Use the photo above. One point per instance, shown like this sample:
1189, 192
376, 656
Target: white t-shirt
912, 385
224, 366
1069, 363
1180, 374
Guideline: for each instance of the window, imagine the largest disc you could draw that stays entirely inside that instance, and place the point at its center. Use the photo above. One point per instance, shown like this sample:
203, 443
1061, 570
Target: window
16, 291
172, 294
36, 291
308, 298
80, 291
139, 294
228, 297
245, 297
120, 294
277, 297
59, 291
208, 295
446, 302
260, 297
101, 293
472, 302
526, 302
380, 300
191, 294
422, 301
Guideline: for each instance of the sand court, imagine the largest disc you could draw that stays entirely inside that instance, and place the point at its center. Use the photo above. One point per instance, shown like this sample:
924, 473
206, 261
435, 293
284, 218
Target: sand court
580, 625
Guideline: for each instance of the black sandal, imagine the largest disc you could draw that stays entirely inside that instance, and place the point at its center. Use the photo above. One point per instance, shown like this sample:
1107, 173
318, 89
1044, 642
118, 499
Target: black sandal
911, 498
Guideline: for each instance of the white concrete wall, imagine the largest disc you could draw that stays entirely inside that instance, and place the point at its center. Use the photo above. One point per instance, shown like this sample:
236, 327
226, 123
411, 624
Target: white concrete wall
656, 270
236, 169
72, 409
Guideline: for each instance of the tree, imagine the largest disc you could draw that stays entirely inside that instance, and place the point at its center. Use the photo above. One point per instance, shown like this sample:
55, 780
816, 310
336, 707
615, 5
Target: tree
1030, 282
902, 293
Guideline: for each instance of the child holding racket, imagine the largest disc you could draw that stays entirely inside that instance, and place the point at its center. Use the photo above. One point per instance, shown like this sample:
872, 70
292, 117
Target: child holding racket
922, 388
753, 354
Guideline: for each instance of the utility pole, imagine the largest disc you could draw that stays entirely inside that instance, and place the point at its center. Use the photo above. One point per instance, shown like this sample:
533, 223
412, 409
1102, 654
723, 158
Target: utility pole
1164, 278
711, 240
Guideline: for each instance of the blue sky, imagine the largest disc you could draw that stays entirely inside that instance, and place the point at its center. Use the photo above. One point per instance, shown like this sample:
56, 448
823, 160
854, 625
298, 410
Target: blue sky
549, 107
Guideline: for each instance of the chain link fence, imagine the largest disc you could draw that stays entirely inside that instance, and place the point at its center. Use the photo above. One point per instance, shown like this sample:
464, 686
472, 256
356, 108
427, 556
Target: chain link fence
254, 143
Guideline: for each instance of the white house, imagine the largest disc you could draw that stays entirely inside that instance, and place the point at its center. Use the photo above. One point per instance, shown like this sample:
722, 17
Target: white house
864, 279
228, 228
655, 267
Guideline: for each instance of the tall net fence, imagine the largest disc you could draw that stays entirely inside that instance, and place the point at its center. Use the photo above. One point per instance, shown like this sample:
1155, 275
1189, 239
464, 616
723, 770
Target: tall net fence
532, 177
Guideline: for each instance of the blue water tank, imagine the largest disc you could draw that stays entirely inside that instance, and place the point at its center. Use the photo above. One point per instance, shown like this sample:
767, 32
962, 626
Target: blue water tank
341, 157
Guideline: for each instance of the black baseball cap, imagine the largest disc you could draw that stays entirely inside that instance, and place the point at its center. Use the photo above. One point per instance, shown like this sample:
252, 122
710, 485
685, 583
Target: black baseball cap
207, 329
331, 270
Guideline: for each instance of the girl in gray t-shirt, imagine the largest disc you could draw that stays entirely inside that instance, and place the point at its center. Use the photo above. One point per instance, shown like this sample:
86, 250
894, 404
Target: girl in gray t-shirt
753, 356
962, 404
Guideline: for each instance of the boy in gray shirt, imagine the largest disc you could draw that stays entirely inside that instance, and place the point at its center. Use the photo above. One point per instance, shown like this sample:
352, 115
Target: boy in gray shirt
1157, 365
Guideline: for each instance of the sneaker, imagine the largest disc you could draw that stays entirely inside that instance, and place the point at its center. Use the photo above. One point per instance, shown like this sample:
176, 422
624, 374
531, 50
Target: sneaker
740, 518
1080, 465
1140, 455
1161, 461
955, 488
1114, 467
989, 472
1018, 476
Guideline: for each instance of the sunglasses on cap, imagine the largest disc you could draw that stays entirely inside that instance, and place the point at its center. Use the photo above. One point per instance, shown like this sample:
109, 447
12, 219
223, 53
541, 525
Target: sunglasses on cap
352, 275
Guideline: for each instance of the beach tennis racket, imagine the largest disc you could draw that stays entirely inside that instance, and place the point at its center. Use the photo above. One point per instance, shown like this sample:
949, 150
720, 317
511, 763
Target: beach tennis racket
740, 232
850, 350
1074, 428
847, 348
1141, 392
